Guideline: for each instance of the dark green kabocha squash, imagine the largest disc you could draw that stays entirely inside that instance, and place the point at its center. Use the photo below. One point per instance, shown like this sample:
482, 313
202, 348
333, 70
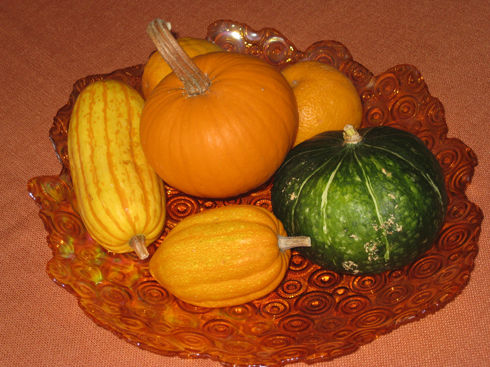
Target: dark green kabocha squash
371, 200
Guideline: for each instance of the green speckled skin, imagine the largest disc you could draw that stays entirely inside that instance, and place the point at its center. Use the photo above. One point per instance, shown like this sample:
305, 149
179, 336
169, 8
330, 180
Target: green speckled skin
368, 207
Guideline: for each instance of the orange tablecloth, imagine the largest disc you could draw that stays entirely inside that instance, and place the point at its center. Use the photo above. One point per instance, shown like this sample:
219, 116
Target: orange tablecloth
46, 45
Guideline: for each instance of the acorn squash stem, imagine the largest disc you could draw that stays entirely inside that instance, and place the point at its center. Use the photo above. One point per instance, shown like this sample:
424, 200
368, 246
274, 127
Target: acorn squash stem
137, 243
195, 81
287, 243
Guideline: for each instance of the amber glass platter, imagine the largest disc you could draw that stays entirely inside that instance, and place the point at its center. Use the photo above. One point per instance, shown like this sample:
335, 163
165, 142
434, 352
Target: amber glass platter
315, 314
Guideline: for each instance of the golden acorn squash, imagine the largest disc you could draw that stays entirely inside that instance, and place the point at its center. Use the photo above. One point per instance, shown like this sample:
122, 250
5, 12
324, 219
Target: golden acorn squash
224, 256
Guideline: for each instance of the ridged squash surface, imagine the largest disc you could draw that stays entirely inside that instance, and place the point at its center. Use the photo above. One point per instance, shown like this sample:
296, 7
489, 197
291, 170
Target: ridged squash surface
119, 196
222, 257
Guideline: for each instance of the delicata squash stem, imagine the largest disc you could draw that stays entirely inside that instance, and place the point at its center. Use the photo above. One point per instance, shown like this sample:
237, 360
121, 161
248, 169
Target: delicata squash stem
195, 81
137, 243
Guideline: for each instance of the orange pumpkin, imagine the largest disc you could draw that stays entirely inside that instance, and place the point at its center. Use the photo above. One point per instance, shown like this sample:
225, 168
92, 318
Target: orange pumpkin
220, 125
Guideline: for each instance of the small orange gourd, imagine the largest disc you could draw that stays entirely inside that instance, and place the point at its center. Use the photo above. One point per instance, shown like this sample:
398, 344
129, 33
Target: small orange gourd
156, 68
224, 256
220, 125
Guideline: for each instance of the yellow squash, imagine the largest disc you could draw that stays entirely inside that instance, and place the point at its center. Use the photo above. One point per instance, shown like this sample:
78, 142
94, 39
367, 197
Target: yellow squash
224, 256
120, 199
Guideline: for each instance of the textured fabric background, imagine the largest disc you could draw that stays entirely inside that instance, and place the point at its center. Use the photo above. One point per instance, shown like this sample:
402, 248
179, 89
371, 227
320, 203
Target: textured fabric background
46, 45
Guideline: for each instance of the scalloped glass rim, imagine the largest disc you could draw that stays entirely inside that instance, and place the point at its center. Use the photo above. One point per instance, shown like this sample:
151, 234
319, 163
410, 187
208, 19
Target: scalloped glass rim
314, 315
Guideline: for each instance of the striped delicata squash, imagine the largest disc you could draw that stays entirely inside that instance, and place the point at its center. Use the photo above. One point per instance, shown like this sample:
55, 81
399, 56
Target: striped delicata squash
120, 198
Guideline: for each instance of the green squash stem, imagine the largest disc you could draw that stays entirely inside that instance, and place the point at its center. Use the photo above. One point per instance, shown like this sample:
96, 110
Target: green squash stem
351, 136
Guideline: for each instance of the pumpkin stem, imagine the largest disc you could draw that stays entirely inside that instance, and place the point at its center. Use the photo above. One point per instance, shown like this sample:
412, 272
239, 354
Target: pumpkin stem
287, 243
195, 81
351, 136
137, 243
